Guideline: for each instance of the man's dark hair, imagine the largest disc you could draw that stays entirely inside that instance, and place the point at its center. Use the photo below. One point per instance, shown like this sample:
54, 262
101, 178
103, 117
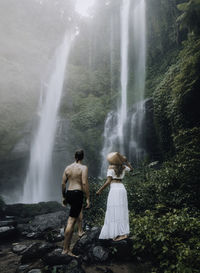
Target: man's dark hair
79, 155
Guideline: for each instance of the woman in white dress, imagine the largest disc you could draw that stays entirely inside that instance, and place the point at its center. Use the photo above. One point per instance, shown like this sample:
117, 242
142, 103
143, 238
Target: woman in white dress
116, 223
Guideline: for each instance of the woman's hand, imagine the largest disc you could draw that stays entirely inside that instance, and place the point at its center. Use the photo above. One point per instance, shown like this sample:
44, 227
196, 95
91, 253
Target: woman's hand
98, 192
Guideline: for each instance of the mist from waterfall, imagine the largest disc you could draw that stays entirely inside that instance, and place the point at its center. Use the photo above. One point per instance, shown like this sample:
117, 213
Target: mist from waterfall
123, 128
37, 183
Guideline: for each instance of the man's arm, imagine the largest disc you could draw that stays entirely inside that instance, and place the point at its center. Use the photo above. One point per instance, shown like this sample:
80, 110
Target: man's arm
64, 181
86, 186
109, 179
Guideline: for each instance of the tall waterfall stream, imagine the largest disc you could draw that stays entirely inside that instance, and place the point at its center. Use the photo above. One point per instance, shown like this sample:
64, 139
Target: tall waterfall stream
36, 187
123, 126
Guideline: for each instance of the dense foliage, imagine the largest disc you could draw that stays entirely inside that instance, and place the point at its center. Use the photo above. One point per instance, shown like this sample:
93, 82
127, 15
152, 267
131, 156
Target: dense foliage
176, 98
164, 197
168, 238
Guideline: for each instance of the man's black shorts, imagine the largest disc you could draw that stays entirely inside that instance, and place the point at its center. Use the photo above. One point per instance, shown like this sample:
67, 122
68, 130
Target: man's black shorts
75, 199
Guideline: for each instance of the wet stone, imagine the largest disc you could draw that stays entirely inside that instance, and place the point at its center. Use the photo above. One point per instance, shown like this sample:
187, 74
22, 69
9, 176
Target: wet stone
70, 268
53, 236
100, 254
22, 268
35, 271
36, 251
7, 232
57, 258
18, 249
33, 235
8, 223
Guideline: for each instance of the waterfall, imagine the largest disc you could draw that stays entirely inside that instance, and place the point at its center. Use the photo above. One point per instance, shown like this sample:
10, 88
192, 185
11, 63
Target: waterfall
135, 149
37, 185
123, 128
139, 37
122, 111
110, 139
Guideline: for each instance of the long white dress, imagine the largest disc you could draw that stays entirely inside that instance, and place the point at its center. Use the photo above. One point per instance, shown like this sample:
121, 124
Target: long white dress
116, 219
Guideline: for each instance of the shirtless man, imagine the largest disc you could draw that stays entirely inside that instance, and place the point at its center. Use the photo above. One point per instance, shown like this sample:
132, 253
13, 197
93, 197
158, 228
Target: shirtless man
76, 175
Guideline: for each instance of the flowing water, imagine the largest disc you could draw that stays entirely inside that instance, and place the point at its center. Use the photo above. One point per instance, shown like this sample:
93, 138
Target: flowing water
123, 128
37, 186
122, 111
135, 151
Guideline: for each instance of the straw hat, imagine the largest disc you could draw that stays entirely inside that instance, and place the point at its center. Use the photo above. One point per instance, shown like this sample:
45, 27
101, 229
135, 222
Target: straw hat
115, 158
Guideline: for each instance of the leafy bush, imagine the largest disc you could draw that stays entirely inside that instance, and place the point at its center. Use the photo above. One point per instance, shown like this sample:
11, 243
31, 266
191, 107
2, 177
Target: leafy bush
175, 184
176, 98
168, 238
190, 15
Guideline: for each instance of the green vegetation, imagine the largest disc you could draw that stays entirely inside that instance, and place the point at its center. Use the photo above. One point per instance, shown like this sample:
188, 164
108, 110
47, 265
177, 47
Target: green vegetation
169, 238
176, 98
164, 201
190, 18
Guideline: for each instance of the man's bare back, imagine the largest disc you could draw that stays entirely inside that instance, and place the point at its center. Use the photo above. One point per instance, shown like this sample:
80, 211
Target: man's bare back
76, 175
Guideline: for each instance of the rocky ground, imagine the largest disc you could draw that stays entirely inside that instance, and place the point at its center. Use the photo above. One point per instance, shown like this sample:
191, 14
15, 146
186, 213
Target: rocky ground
32, 237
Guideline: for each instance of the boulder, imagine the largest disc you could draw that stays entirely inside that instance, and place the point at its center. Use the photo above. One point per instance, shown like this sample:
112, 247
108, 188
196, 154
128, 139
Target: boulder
8, 223
72, 267
35, 251
7, 232
95, 250
32, 210
100, 254
22, 268
41, 225
35, 271
84, 243
53, 236
18, 249
57, 258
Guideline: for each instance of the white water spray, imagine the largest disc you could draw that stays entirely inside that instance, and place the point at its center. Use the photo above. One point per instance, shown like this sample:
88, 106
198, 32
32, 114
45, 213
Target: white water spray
37, 187
122, 111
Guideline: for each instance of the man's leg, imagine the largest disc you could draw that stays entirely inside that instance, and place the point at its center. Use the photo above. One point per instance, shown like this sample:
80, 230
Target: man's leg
79, 223
68, 235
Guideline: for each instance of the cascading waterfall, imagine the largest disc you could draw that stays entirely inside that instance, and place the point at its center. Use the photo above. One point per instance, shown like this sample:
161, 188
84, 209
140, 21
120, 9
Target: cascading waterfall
122, 111
114, 125
110, 139
139, 38
136, 152
123, 128
37, 186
